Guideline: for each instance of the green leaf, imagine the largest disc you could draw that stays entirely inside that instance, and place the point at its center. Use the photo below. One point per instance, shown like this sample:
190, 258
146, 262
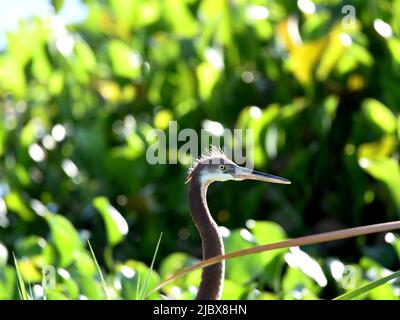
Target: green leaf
29, 246
52, 294
65, 238
85, 56
366, 288
116, 226
130, 273
84, 264
125, 62
232, 290
15, 203
186, 25
208, 77
267, 232
8, 283
299, 259
378, 149
386, 170
57, 4
383, 292
297, 285
332, 53
136, 13
30, 271
380, 115
90, 288
242, 269
12, 77
174, 263
67, 286
394, 47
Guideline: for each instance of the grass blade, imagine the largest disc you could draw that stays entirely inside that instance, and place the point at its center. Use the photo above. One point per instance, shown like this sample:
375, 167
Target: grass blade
30, 291
21, 285
138, 287
146, 281
103, 283
364, 289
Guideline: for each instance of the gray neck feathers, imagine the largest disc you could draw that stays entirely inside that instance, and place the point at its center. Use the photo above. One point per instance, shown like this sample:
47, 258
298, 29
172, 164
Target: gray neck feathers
212, 277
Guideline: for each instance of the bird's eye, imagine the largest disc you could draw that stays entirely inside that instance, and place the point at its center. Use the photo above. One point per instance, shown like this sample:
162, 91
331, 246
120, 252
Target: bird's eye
221, 167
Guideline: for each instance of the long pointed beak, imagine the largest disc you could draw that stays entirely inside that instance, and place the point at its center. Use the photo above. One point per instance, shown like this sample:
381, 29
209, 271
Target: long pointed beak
242, 173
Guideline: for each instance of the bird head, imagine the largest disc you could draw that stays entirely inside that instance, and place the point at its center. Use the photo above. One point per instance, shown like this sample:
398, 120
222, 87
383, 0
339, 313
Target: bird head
215, 166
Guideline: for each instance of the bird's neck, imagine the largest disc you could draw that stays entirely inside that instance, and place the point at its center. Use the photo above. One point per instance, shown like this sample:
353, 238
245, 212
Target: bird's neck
213, 276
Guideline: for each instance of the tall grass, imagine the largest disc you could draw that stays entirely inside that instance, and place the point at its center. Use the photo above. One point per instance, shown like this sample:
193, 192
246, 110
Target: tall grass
21, 285
103, 282
143, 291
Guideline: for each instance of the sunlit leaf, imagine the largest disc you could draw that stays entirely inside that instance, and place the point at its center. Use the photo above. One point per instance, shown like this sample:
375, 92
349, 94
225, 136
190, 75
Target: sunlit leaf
41, 66
386, 170
29, 131
12, 77
65, 237
208, 77
242, 269
132, 275
288, 31
162, 119
57, 4
355, 55
84, 264
15, 203
296, 285
174, 263
136, 145
136, 13
29, 246
52, 294
394, 47
90, 288
186, 25
125, 61
379, 149
332, 53
85, 55
72, 288
116, 226
232, 290
267, 232
29, 272
304, 58
298, 258
380, 115
109, 90
383, 292
258, 120
8, 283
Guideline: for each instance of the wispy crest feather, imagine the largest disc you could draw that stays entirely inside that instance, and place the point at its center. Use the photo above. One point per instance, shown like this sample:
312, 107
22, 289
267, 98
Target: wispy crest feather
212, 152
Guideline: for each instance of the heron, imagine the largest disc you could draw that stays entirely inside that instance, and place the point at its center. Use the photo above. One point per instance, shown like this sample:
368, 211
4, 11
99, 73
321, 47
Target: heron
213, 165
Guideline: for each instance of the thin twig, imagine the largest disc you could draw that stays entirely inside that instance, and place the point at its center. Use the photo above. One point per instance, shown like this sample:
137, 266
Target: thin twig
301, 241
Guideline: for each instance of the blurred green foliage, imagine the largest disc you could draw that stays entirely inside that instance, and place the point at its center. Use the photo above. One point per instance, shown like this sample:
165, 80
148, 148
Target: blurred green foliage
76, 103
